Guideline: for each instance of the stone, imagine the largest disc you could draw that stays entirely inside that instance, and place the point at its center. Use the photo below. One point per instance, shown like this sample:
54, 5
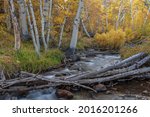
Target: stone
145, 92
60, 93
100, 88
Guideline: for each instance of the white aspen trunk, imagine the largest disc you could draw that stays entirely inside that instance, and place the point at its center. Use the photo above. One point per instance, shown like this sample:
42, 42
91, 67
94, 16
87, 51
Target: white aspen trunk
49, 21
76, 28
42, 23
45, 12
32, 30
61, 32
84, 29
119, 14
34, 24
15, 26
82, 22
23, 21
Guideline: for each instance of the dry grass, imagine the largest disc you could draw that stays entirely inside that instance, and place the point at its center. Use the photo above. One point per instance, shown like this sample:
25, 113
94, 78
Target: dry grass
129, 51
110, 40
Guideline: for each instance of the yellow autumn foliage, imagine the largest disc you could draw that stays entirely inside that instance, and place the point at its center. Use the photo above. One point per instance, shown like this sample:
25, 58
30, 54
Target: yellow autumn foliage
110, 40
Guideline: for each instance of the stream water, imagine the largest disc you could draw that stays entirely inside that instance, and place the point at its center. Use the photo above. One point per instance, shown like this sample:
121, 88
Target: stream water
122, 90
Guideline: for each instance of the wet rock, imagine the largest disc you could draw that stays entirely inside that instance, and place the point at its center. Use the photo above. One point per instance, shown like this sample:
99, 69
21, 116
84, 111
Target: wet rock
108, 92
145, 92
64, 94
100, 88
42, 94
83, 58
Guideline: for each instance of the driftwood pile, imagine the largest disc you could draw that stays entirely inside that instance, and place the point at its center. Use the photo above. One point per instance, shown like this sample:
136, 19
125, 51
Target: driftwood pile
132, 67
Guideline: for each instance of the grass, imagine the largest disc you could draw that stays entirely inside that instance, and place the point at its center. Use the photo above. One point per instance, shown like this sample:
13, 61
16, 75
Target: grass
128, 51
25, 59
28, 61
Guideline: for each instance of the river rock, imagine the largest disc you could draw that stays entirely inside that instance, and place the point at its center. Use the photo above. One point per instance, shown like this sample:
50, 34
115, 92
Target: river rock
145, 92
60, 93
100, 88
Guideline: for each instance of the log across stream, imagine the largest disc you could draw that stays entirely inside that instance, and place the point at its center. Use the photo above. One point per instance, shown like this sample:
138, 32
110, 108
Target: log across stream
116, 76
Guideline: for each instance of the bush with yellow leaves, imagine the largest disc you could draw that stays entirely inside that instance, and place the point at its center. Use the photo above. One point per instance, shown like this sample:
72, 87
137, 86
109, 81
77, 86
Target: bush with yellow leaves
114, 39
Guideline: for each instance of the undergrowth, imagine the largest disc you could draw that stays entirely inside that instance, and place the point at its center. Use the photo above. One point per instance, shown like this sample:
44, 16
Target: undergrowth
110, 40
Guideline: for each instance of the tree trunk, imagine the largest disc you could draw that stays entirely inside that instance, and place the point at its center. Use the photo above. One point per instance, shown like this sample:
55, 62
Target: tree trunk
15, 26
84, 29
119, 14
76, 28
45, 13
34, 24
43, 26
32, 30
49, 21
23, 21
61, 33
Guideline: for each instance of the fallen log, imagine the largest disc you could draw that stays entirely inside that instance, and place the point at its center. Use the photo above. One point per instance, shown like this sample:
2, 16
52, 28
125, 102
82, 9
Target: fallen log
145, 76
115, 77
20, 89
55, 82
118, 65
136, 65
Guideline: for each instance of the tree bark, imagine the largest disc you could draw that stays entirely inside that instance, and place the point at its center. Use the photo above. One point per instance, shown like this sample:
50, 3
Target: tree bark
119, 14
74, 38
15, 26
32, 30
45, 13
23, 21
61, 32
84, 28
34, 24
49, 21
43, 26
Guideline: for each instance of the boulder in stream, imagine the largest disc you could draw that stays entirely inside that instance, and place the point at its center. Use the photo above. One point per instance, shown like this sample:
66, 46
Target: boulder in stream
64, 94
100, 88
